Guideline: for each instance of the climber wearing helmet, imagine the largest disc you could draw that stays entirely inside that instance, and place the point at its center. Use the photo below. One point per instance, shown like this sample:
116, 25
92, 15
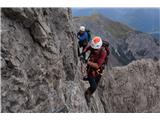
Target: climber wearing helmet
95, 65
82, 35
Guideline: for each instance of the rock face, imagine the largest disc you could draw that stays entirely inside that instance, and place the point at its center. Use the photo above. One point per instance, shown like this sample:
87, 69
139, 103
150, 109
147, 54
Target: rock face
40, 69
39, 62
132, 88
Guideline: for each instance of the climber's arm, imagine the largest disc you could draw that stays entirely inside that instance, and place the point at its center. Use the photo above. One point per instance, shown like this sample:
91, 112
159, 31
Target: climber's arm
100, 61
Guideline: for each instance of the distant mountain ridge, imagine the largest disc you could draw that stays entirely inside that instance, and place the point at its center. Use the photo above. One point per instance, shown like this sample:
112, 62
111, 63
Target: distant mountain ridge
141, 19
126, 44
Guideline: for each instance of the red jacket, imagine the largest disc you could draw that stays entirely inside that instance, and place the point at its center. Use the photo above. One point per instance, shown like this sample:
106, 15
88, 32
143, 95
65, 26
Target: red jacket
96, 60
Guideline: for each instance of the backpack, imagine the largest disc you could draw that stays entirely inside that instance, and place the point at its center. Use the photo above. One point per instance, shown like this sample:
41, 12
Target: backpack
89, 34
105, 46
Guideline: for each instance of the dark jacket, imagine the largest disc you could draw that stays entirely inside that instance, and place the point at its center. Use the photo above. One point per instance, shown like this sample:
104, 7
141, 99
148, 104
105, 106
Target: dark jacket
83, 36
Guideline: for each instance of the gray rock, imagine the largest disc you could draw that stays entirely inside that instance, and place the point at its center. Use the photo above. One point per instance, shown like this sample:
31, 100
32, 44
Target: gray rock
39, 57
41, 71
132, 88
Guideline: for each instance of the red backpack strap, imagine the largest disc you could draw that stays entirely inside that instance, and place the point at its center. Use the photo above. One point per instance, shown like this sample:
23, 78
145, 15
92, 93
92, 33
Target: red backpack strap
108, 52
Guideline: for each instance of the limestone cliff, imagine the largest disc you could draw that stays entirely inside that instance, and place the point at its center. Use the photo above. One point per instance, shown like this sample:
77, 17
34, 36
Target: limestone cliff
40, 70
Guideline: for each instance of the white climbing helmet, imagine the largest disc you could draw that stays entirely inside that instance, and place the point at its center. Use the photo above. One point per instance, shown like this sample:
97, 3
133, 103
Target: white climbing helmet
96, 42
82, 28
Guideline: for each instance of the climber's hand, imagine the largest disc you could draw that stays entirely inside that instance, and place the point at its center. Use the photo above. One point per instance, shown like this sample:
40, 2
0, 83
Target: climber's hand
82, 54
85, 61
82, 58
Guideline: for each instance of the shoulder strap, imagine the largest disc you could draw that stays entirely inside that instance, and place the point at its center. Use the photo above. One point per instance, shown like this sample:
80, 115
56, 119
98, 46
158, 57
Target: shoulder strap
103, 49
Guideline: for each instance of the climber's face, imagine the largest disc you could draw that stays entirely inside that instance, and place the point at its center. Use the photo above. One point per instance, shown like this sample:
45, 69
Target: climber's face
95, 50
81, 32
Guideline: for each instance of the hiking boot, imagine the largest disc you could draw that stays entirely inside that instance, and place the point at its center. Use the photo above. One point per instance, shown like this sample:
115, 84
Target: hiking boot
88, 96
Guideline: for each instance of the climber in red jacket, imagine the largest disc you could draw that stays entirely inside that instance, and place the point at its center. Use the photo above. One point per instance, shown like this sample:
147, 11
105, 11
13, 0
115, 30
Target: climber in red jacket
95, 64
